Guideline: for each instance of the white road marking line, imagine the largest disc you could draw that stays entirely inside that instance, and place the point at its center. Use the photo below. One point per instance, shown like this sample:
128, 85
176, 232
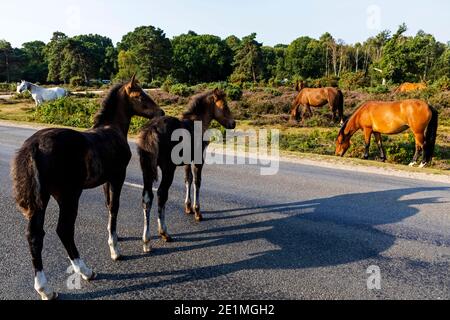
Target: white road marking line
137, 186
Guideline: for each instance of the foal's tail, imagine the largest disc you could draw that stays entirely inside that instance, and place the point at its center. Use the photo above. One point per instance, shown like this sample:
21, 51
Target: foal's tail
148, 150
26, 181
431, 135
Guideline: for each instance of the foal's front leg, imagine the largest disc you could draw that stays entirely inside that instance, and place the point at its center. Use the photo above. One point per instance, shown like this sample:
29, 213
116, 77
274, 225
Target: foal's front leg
198, 168
115, 189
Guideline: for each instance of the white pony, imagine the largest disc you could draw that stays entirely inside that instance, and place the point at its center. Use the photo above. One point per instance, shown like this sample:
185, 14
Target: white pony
41, 95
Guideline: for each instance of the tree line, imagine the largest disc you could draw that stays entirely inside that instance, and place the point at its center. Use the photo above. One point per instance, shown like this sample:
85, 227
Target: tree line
192, 58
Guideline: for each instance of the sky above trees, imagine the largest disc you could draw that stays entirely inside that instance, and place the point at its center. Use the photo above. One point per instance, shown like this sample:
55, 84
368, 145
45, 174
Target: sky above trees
274, 22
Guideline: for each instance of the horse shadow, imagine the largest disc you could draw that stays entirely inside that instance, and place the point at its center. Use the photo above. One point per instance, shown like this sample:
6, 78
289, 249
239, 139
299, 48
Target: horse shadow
307, 234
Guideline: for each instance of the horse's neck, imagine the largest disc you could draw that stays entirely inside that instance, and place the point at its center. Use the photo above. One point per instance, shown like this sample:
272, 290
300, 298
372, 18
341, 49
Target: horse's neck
352, 125
33, 88
205, 120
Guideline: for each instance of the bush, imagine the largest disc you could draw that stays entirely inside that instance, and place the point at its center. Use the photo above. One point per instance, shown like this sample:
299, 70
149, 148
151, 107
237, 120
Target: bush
181, 90
442, 83
76, 82
354, 80
234, 93
168, 83
380, 89
8, 87
68, 112
155, 84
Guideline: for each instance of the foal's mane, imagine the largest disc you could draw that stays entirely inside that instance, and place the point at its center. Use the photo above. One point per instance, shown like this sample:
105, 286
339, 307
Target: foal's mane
344, 126
108, 107
199, 102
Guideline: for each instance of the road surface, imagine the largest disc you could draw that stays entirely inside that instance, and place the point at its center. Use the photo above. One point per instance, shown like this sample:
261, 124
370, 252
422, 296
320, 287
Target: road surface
306, 233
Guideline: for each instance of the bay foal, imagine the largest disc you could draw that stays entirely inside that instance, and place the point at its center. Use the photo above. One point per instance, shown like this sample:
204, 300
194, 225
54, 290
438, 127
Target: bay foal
155, 147
62, 163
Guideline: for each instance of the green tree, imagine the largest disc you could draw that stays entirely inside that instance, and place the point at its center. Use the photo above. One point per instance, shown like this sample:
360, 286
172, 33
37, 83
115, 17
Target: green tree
152, 49
200, 58
54, 56
128, 65
6, 53
305, 58
248, 61
35, 68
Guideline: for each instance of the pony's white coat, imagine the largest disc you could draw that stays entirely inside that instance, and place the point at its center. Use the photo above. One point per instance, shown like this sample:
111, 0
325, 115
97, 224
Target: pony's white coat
41, 95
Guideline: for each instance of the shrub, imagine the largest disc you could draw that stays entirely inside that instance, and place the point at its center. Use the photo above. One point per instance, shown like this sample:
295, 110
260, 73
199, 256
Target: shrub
380, 89
68, 112
181, 90
442, 83
354, 80
76, 82
234, 93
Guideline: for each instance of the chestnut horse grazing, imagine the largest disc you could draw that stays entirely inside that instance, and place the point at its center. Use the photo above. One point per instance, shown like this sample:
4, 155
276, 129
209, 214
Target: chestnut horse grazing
317, 98
62, 163
156, 145
408, 87
376, 117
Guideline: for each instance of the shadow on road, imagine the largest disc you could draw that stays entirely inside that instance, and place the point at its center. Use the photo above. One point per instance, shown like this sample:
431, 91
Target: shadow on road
318, 233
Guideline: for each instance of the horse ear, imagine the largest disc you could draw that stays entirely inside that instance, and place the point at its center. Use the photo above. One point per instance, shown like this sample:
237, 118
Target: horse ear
133, 79
297, 86
302, 85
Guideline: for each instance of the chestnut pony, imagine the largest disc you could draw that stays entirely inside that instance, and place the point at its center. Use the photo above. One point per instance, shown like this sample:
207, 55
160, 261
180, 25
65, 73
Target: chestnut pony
317, 98
62, 163
409, 87
377, 118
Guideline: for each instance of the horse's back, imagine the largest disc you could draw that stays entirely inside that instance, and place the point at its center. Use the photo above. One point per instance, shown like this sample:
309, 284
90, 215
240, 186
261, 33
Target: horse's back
392, 117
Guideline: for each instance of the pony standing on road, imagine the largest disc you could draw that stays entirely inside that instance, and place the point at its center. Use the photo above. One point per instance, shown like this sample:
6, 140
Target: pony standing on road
377, 117
41, 95
155, 147
62, 163
317, 98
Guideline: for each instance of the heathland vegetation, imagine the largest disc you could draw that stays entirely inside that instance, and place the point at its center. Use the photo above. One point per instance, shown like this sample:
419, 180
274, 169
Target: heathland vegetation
258, 79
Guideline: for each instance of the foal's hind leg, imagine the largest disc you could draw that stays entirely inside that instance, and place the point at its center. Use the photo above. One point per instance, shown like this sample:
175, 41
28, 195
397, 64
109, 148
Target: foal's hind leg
147, 202
35, 237
198, 168
189, 178
163, 195
420, 140
68, 205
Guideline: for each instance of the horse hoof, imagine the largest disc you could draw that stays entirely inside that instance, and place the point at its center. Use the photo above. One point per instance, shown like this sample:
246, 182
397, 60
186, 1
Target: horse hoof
188, 210
147, 248
90, 278
413, 164
166, 238
116, 257
423, 165
198, 217
48, 297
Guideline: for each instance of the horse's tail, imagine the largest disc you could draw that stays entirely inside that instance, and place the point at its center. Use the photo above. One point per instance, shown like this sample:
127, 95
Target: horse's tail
148, 150
26, 181
431, 135
340, 105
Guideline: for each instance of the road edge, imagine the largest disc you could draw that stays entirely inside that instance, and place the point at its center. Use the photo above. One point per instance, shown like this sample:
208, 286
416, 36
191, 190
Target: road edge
326, 162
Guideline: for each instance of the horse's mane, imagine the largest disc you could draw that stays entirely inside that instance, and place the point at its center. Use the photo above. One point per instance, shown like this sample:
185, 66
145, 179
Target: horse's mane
344, 126
198, 103
108, 107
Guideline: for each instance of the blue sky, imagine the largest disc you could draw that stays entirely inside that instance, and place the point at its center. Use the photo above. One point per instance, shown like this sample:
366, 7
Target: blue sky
275, 21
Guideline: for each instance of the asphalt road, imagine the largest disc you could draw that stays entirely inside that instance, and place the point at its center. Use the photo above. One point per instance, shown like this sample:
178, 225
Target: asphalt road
306, 233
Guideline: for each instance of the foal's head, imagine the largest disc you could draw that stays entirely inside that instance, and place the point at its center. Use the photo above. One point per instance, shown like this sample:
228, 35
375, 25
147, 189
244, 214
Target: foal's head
140, 102
211, 106
221, 112
343, 141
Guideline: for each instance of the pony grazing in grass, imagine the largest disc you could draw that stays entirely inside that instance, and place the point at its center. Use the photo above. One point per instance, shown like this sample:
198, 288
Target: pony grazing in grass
409, 87
316, 98
379, 117
41, 95
156, 145
62, 163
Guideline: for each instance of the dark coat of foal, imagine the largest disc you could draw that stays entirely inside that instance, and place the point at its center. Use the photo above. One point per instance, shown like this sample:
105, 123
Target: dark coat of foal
61, 163
155, 148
